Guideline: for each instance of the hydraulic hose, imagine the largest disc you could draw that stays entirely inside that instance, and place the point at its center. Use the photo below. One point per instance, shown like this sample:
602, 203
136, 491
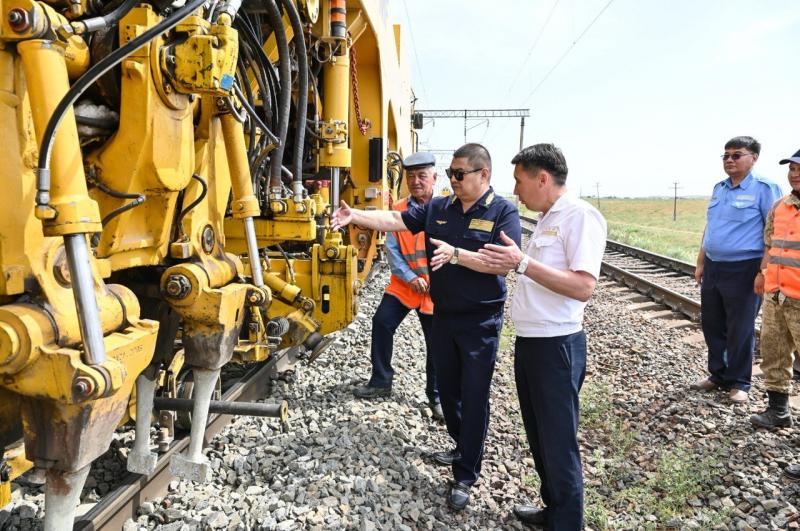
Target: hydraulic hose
106, 21
302, 95
89, 78
254, 116
285, 98
194, 203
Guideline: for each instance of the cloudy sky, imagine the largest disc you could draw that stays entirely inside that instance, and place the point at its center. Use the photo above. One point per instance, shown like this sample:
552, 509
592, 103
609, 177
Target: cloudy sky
647, 96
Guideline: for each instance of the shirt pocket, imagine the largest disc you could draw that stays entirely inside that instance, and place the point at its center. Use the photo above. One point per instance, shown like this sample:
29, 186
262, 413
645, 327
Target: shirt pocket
542, 245
741, 211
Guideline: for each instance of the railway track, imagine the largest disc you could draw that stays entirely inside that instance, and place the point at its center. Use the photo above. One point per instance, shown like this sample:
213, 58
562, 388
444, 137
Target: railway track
123, 501
665, 280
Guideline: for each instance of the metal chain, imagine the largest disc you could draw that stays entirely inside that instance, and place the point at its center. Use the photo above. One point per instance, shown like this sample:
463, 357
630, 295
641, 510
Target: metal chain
363, 125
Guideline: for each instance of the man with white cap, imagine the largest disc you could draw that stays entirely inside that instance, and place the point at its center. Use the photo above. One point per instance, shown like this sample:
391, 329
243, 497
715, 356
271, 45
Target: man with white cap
408, 289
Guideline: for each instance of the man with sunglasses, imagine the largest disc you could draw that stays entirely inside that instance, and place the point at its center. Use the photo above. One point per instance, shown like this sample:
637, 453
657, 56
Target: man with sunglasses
727, 264
468, 296
407, 290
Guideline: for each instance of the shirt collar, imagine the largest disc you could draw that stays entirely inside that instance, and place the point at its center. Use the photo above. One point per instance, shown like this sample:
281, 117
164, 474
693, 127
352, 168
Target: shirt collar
744, 185
792, 200
485, 200
561, 203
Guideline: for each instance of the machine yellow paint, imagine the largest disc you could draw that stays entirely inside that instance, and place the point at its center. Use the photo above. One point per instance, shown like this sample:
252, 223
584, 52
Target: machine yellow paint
162, 194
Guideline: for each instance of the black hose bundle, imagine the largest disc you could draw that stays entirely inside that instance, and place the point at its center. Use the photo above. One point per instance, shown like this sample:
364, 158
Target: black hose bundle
302, 87
285, 99
85, 81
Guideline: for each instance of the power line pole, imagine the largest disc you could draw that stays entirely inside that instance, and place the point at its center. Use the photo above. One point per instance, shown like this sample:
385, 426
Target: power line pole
521, 131
597, 187
675, 201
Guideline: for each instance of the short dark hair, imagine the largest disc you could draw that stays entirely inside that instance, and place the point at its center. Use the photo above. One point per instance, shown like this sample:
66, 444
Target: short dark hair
545, 157
747, 142
477, 155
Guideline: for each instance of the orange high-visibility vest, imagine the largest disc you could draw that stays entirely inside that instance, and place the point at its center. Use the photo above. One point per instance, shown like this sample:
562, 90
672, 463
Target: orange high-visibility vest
412, 247
783, 266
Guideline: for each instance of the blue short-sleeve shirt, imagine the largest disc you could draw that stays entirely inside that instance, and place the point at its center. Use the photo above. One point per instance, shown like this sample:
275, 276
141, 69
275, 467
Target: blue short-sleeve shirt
455, 288
736, 217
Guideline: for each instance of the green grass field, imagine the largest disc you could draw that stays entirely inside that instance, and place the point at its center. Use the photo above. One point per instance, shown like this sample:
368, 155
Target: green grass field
647, 223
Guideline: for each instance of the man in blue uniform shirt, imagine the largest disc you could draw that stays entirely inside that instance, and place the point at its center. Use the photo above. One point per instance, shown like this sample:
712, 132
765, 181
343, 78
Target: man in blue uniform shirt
727, 264
468, 297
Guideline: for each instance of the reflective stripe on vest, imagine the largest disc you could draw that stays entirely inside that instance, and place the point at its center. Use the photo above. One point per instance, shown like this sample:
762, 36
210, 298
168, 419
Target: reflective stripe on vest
783, 262
412, 248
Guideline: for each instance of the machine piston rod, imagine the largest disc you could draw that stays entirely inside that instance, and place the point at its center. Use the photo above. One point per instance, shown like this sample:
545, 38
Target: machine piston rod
94, 352
255, 409
252, 251
334, 188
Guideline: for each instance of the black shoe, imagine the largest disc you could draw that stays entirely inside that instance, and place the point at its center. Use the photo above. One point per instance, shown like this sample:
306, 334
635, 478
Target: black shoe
777, 414
436, 410
771, 419
446, 458
367, 391
792, 472
458, 497
530, 514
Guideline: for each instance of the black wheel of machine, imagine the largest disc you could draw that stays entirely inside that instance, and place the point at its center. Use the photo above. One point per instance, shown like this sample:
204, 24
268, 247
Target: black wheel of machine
185, 389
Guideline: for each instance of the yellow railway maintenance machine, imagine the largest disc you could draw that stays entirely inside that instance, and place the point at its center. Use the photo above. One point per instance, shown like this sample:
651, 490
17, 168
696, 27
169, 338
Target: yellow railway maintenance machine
170, 169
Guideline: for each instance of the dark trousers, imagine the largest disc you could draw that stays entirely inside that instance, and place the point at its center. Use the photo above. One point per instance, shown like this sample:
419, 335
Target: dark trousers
728, 308
465, 350
387, 318
549, 372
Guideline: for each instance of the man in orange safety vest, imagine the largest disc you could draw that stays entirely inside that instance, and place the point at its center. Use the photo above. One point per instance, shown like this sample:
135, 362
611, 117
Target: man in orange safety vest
408, 289
779, 282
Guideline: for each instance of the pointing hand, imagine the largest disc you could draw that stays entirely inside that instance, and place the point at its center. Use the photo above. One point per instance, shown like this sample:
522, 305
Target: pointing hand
341, 217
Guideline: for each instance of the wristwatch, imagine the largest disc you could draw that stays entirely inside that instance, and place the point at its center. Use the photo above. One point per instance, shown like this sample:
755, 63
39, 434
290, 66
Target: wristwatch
454, 258
522, 266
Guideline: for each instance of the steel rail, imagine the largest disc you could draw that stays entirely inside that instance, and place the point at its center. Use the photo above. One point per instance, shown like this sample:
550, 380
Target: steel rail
671, 299
660, 294
122, 503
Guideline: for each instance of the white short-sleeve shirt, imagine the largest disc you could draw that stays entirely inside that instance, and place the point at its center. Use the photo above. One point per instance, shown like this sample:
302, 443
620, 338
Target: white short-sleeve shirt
570, 236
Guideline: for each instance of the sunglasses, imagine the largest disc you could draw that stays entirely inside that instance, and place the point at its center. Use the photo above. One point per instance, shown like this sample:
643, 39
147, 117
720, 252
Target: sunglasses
734, 156
458, 175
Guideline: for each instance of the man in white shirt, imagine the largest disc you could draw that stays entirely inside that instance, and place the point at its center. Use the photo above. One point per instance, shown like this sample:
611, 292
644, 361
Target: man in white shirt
556, 277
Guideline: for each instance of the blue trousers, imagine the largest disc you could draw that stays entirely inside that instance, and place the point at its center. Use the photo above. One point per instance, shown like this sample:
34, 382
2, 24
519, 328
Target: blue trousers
387, 318
465, 350
549, 372
728, 309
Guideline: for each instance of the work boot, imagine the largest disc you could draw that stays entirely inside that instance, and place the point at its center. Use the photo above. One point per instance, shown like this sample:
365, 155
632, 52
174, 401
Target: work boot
436, 411
777, 414
792, 472
367, 391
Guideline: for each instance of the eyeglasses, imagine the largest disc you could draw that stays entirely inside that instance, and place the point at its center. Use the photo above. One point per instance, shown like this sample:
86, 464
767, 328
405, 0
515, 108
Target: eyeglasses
734, 156
458, 175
